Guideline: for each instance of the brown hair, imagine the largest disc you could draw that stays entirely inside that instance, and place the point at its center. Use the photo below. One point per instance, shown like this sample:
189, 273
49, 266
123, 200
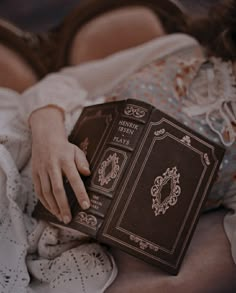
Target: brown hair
217, 31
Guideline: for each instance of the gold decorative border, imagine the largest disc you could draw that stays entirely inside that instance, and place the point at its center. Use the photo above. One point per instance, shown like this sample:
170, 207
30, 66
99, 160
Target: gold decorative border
134, 248
167, 134
86, 219
97, 114
135, 111
103, 189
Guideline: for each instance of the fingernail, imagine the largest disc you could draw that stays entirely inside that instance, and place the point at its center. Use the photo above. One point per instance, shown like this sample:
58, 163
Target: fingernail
86, 168
59, 218
85, 205
66, 220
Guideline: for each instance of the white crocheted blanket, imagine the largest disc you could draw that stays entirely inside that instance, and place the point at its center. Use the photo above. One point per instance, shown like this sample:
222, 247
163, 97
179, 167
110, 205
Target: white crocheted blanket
36, 257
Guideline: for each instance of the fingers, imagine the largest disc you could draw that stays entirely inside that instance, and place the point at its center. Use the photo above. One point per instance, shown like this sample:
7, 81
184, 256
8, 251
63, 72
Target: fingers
38, 190
47, 175
60, 195
81, 162
47, 193
77, 185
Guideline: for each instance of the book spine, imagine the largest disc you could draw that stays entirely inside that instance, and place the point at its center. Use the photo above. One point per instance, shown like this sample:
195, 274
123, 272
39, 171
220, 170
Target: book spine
112, 164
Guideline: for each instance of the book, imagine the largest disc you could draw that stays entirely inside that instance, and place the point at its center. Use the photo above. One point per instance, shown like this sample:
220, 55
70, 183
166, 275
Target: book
150, 176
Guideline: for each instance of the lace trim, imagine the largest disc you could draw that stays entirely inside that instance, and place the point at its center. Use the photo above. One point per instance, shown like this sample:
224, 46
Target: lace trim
219, 98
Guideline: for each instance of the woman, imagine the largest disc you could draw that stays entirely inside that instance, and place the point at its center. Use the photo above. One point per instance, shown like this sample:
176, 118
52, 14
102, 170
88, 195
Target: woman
150, 65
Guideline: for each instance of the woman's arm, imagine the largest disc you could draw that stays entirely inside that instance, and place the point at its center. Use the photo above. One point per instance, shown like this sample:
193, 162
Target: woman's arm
52, 157
71, 89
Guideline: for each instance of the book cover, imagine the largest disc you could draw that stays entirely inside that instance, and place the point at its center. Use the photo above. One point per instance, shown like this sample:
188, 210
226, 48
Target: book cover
150, 176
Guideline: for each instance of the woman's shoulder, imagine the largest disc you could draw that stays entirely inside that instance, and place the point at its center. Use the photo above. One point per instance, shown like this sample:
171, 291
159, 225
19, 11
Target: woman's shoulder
170, 44
176, 39
179, 37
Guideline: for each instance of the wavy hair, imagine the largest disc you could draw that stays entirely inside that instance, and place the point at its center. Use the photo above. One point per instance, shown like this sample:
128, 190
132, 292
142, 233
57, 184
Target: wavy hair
217, 31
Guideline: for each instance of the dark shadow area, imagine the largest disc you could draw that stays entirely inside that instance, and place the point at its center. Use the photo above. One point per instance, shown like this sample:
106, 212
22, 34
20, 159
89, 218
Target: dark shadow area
36, 15
42, 15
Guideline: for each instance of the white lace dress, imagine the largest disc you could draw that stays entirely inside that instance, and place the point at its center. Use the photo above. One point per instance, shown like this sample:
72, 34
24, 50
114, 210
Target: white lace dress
34, 256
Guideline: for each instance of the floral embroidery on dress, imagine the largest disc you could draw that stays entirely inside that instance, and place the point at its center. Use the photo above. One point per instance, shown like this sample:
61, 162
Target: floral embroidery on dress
184, 75
218, 103
179, 85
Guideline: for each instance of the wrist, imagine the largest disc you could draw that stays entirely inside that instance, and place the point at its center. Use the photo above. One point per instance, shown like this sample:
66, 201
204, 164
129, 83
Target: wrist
47, 122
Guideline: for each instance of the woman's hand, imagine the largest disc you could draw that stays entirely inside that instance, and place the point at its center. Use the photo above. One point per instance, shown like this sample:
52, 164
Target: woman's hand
53, 157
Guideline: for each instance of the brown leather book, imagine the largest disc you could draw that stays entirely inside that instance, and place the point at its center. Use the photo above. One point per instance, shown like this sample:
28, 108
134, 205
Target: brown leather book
150, 176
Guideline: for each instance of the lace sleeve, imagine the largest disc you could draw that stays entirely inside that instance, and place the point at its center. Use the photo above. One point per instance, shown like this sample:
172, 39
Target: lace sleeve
71, 88
59, 90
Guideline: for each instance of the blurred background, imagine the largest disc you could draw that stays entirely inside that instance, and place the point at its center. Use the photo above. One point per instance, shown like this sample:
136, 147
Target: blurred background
41, 15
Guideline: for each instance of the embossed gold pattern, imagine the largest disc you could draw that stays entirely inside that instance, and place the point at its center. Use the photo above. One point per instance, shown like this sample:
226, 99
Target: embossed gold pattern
159, 132
86, 219
143, 244
135, 111
206, 158
186, 139
159, 205
106, 175
84, 145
